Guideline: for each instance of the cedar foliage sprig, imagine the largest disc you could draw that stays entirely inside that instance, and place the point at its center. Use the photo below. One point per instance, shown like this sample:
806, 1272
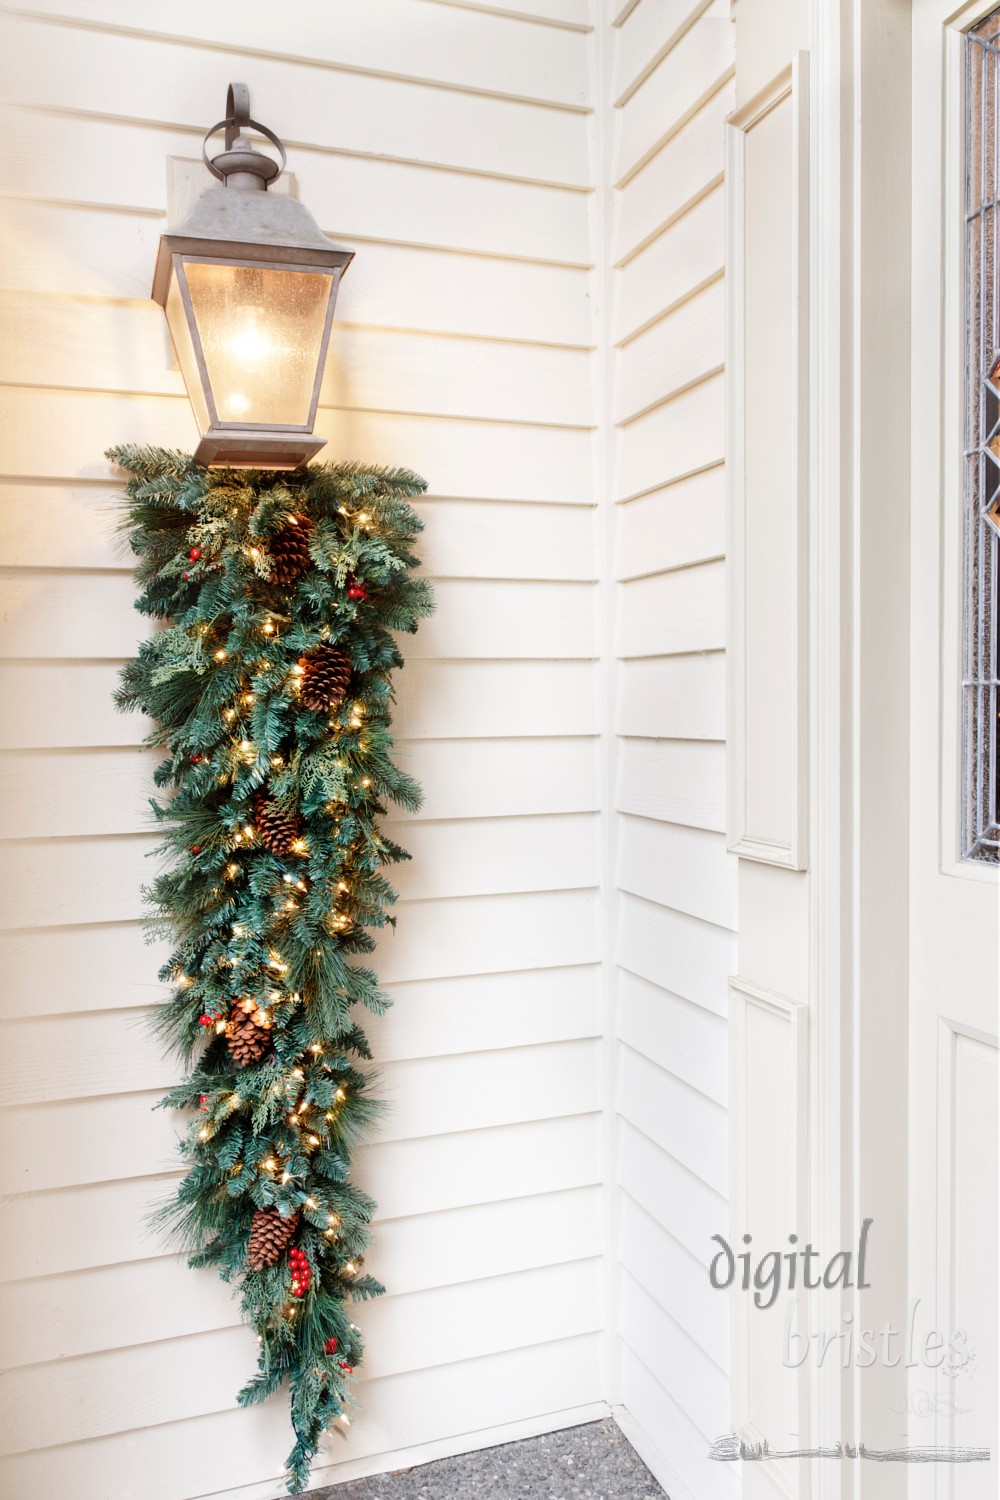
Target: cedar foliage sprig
277, 936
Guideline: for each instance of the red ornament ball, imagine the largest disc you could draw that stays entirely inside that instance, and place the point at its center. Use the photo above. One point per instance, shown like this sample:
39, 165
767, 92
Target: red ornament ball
205, 1021
357, 591
194, 554
331, 1346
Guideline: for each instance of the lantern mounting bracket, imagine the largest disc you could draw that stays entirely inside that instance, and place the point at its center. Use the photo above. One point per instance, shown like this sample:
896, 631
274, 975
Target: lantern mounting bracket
241, 160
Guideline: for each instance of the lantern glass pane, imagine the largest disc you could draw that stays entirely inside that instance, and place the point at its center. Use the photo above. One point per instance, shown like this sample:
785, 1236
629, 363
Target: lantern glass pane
261, 333
180, 333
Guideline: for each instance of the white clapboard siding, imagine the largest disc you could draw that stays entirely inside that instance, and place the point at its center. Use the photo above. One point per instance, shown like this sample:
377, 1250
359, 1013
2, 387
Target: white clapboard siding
411, 1416
678, 781
144, 80
683, 1465
70, 705
685, 78
684, 1039
670, 528
676, 914
674, 697
71, 1056
58, 1144
372, 198
468, 459
65, 1316
105, 1393
392, 286
103, 791
676, 1280
74, 526
648, 33
678, 952
679, 262
532, 1159
669, 1193
472, 618
687, 167
678, 1361
677, 438
675, 352
120, 346
673, 613
483, 53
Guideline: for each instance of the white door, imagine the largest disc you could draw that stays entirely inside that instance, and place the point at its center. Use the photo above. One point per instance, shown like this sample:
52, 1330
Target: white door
955, 755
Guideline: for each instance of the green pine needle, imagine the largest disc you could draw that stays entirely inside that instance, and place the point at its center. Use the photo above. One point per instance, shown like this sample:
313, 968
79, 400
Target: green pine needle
272, 936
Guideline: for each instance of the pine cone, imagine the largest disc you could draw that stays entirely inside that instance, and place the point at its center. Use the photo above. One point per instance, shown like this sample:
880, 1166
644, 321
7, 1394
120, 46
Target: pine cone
246, 1038
276, 828
289, 550
269, 1235
326, 673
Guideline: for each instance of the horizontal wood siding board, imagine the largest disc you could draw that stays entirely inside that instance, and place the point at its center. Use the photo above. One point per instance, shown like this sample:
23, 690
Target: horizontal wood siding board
673, 527
409, 1179
687, 167
90, 1054
676, 1280
646, 35
72, 526
236, 1447
677, 1360
691, 1128
685, 1206
122, 1136
121, 166
146, 80
91, 344
683, 1446
676, 352
389, 286
90, 616
686, 78
674, 266
680, 437
465, 459
673, 781
681, 1037
106, 791
117, 1307
673, 697
61, 969
673, 613
475, 52
686, 869
103, 1393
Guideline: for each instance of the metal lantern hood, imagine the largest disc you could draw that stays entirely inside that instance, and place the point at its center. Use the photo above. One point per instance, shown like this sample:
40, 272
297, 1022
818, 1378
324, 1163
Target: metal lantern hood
248, 282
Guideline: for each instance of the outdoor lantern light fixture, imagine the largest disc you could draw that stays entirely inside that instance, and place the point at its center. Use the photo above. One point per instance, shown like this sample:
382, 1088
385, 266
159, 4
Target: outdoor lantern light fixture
248, 283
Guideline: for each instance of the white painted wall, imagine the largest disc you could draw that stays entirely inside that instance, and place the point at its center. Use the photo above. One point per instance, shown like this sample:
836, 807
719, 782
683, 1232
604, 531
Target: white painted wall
668, 71
457, 148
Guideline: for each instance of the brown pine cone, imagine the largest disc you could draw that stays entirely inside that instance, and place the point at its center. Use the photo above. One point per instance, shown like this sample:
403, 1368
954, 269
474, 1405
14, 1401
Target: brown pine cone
270, 1233
326, 673
246, 1037
276, 828
289, 550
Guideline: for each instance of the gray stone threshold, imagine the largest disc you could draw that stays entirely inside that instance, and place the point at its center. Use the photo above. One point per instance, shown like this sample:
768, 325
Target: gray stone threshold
592, 1462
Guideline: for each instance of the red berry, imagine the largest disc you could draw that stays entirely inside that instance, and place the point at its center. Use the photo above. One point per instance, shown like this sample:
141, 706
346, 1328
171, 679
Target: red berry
195, 848
357, 591
345, 1366
194, 554
331, 1346
195, 759
205, 1021
186, 577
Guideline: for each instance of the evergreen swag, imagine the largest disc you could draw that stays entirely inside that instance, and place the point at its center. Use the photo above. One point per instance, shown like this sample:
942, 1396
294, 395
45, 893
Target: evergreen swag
272, 832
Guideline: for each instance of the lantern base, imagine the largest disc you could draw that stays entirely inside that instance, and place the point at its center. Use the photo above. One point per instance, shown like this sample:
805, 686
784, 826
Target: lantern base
249, 448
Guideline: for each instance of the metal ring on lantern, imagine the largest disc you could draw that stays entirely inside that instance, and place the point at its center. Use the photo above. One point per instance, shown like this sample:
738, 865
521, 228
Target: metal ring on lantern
238, 118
